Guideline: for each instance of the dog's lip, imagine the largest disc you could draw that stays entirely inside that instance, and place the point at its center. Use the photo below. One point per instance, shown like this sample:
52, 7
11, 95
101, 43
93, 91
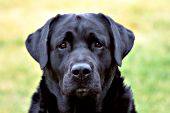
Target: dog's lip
82, 92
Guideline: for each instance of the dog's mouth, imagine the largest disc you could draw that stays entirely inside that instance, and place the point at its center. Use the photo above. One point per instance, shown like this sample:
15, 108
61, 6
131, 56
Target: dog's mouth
81, 92
85, 92
74, 87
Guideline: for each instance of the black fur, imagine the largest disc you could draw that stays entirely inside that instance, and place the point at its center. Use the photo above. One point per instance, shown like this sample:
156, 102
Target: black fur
119, 99
79, 56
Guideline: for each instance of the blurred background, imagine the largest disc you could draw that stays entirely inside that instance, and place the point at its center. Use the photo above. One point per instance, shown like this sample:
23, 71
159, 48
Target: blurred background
146, 68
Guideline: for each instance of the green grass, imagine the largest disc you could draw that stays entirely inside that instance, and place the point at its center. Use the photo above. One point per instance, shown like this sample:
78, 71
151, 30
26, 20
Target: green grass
146, 68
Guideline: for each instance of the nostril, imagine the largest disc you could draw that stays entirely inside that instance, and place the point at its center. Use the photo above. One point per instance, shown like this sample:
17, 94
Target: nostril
81, 70
75, 72
86, 71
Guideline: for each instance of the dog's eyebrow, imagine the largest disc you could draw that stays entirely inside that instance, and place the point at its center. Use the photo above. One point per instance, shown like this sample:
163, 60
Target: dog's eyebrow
65, 36
97, 36
57, 39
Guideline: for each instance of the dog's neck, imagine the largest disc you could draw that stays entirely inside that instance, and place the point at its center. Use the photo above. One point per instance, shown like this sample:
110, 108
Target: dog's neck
83, 105
67, 104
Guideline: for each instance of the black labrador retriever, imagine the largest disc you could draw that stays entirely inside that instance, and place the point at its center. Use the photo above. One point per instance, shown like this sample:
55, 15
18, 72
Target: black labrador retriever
79, 55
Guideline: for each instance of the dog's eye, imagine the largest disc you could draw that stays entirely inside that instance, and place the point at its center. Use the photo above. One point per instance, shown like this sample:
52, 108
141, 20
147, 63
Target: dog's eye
98, 44
63, 45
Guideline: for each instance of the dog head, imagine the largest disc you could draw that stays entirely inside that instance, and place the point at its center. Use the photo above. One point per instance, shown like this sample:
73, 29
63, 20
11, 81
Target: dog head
80, 51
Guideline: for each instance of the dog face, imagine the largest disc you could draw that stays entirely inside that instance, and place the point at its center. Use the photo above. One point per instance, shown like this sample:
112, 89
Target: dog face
80, 54
80, 50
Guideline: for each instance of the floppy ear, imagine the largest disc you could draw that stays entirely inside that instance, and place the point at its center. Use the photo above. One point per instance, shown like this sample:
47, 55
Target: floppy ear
36, 43
122, 38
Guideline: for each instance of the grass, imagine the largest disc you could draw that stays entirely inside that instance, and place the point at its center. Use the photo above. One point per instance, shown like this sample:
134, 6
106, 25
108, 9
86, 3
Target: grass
146, 68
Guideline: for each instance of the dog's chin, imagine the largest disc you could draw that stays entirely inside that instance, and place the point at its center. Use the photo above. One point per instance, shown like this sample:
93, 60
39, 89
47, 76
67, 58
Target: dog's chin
83, 92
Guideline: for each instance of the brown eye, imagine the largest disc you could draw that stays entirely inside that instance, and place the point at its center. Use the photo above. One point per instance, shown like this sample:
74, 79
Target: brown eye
98, 45
63, 45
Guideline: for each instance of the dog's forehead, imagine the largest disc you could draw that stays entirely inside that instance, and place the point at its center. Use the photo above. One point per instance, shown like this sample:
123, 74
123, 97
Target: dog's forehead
81, 22
81, 25
90, 17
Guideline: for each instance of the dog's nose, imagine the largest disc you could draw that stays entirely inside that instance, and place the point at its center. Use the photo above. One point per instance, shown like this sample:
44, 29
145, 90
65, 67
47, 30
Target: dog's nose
81, 70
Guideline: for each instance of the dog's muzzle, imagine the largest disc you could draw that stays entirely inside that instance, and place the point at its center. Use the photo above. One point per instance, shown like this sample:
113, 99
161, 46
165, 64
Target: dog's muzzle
81, 80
